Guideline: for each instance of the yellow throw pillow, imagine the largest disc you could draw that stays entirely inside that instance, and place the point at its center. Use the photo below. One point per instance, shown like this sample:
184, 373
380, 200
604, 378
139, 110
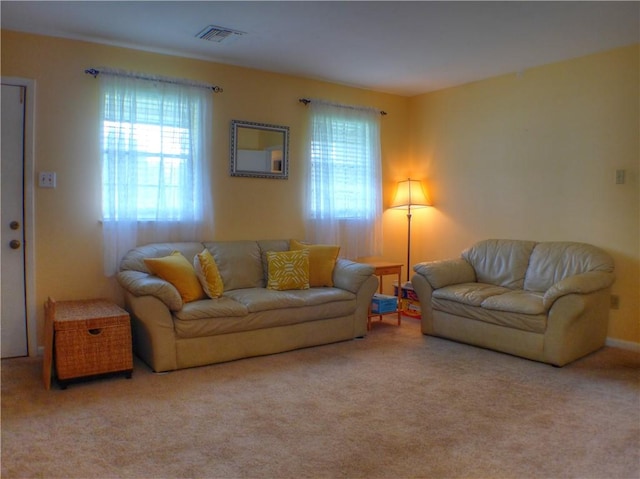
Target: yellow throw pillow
322, 260
208, 274
288, 270
177, 270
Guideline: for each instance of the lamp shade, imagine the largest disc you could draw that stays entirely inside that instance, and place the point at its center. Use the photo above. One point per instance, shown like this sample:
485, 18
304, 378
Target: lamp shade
410, 195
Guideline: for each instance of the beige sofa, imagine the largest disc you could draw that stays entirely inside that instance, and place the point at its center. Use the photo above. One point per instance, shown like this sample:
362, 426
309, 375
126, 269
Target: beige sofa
543, 301
248, 319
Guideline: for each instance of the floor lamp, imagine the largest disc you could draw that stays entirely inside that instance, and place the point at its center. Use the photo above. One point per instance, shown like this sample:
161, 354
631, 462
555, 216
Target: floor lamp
409, 195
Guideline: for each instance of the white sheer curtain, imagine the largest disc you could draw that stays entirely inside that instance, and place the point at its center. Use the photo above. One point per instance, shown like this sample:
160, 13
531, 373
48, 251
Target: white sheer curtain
344, 204
155, 146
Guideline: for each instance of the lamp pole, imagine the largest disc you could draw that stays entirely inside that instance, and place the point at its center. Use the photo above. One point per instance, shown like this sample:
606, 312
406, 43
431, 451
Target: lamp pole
408, 240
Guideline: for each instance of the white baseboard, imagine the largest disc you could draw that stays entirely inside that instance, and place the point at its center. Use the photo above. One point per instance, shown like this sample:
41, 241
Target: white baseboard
619, 343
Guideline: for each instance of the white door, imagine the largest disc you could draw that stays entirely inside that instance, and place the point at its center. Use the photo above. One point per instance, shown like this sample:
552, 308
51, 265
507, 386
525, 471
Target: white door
13, 319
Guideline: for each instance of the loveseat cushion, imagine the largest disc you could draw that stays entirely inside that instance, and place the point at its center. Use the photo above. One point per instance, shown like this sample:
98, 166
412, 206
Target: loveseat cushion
472, 294
526, 302
535, 323
500, 262
552, 262
493, 297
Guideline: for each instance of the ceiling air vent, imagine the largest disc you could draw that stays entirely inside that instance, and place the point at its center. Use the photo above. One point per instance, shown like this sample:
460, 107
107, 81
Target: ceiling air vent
216, 34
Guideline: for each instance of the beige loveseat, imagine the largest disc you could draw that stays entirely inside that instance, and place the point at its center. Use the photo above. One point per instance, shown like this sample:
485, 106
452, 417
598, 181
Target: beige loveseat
543, 301
248, 319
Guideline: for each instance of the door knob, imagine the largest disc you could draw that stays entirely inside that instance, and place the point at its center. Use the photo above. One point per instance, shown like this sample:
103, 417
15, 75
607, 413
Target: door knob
14, 244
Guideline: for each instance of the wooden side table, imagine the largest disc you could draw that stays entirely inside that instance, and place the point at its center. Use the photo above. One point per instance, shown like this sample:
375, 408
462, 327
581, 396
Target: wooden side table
382, 269
86, 338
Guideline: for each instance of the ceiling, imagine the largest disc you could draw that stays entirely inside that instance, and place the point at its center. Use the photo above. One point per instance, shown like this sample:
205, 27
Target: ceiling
405, 48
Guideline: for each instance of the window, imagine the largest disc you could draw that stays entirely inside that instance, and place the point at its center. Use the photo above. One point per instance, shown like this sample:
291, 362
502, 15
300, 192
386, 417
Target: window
345, 176
344, 204
154, 147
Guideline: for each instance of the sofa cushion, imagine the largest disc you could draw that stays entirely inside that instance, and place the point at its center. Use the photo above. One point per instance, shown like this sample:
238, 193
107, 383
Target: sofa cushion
551, 262
472, 294
221, 307
178, 271
322, 261
239, 263
526, 302
500, 262
262, 299
269, 318
288, 270
266, 246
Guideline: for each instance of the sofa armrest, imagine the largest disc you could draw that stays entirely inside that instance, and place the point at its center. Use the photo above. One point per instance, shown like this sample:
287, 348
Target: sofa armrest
423, 289
577, 324
350, 275
359, 279
153, 331
583, 283
445, 272
142, 284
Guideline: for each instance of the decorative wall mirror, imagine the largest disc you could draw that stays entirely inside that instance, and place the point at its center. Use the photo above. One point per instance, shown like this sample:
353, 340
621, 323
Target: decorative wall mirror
259, 150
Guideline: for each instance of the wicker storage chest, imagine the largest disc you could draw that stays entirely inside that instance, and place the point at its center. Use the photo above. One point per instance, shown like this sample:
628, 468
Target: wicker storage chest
90, 338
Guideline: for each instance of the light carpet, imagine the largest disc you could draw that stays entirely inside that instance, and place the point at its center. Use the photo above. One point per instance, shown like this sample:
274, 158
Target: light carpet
395, 404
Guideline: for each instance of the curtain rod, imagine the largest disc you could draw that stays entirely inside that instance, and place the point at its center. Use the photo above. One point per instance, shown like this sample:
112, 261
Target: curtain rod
94, 72
306, 101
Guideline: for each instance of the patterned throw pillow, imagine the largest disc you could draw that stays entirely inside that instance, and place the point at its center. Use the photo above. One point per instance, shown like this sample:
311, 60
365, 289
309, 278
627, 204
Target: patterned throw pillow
288, 270
322, 260
208, 274
177, 270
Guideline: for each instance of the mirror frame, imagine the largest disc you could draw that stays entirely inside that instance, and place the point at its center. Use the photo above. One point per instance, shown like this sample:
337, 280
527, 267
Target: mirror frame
233, 166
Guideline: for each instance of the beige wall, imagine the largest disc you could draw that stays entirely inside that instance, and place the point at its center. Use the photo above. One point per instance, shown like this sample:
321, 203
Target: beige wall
68, 236
530, 156
533, 156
